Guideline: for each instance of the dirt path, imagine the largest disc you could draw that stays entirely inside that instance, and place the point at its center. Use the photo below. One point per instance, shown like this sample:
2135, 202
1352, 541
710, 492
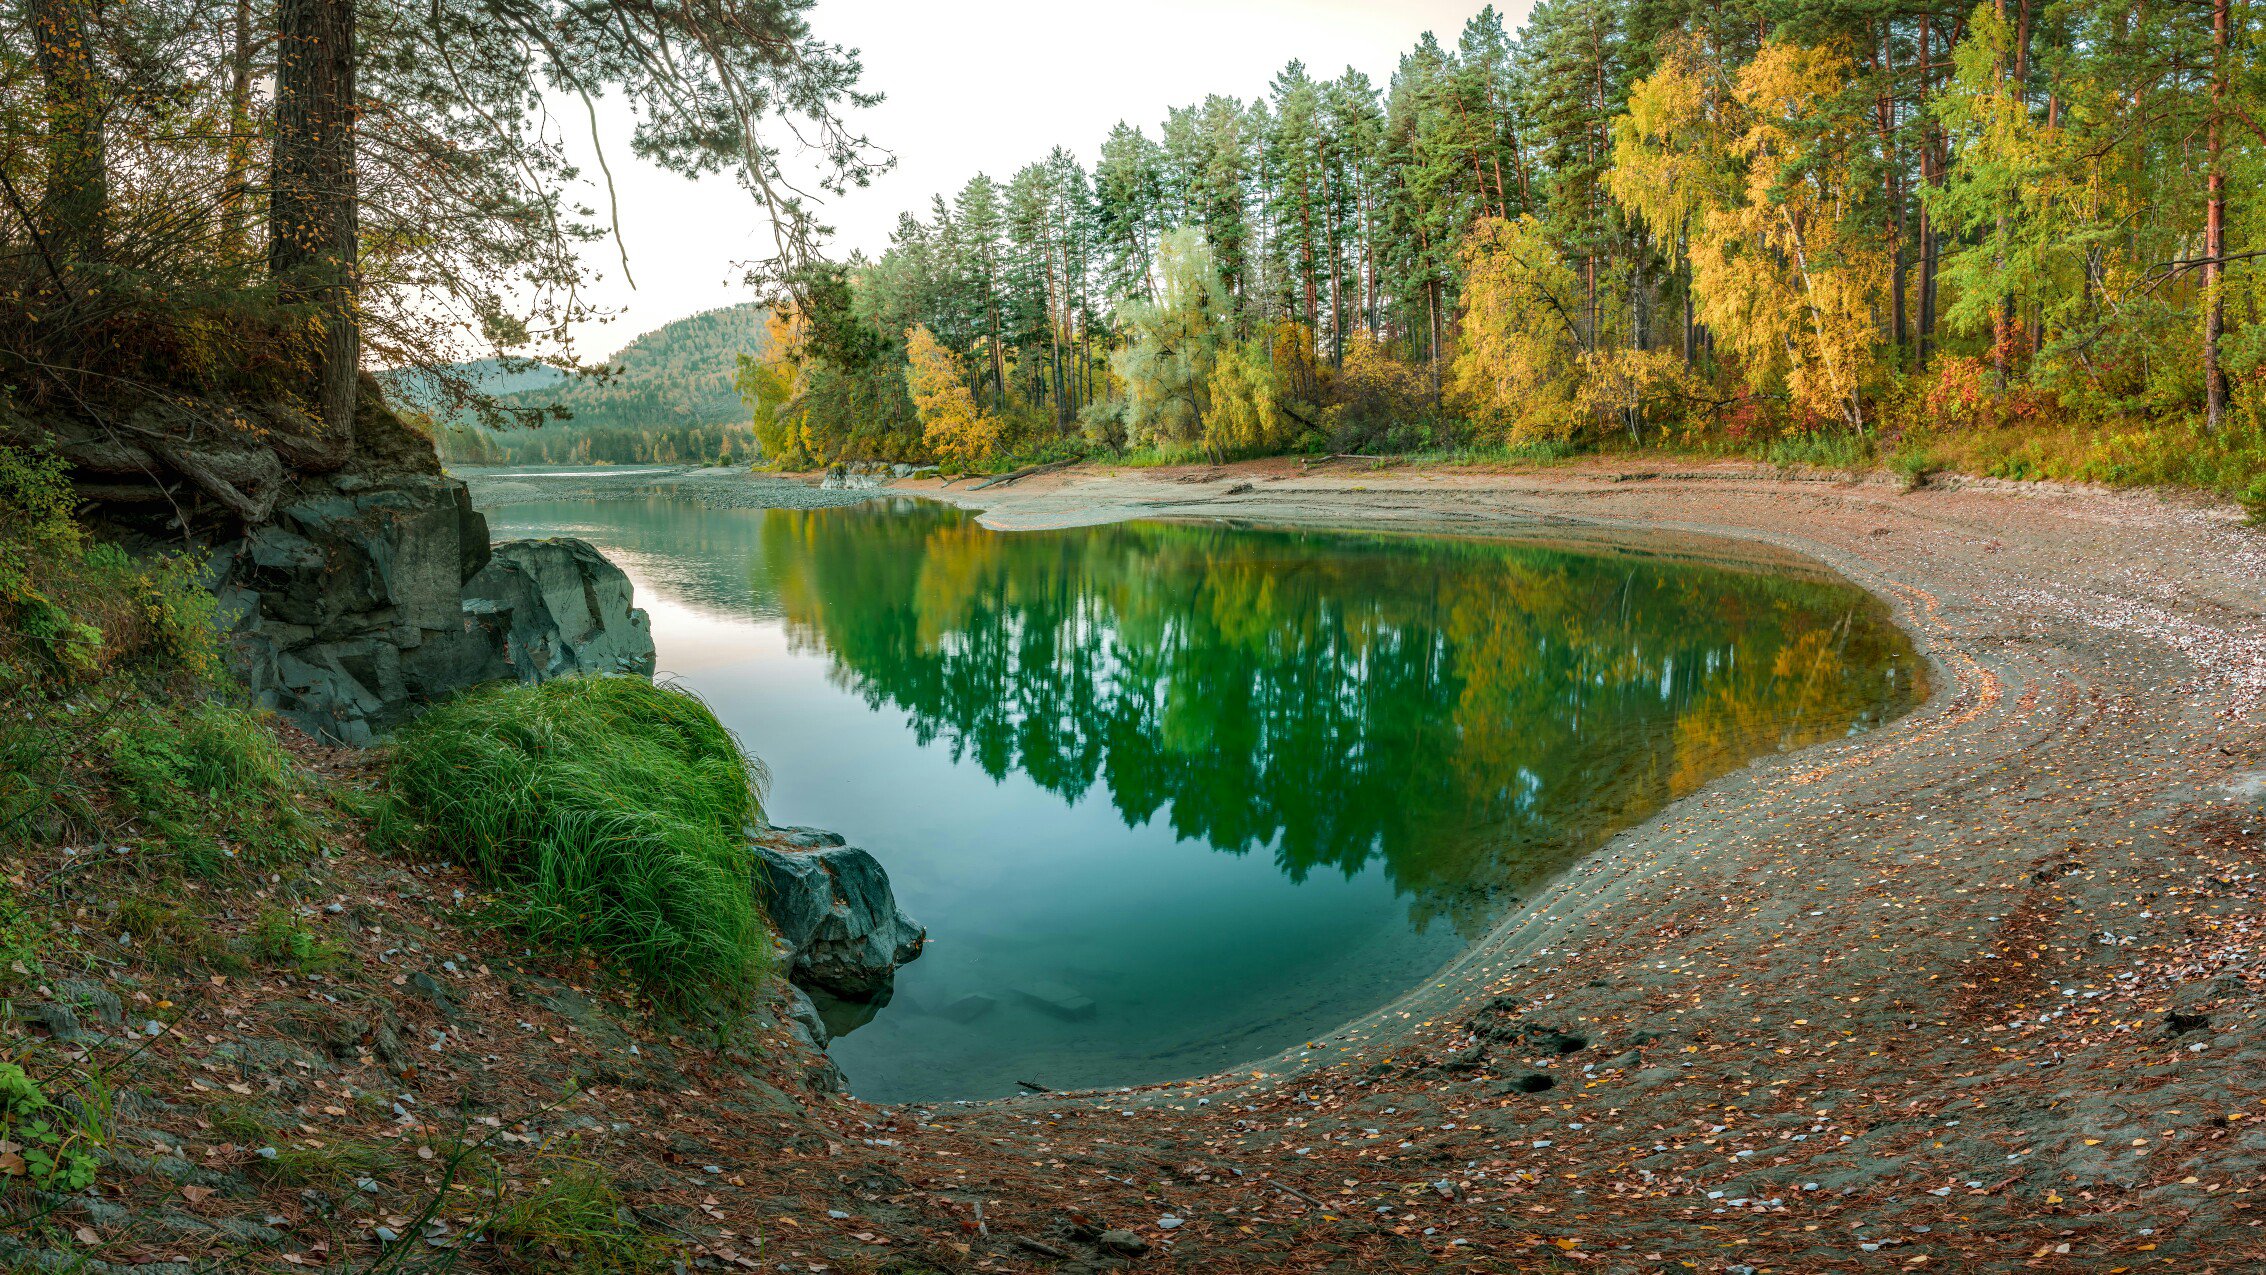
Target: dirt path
1979, 991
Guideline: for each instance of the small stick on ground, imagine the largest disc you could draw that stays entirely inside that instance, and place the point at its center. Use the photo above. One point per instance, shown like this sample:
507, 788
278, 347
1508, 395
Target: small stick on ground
1040, 1246
1034, 1086
1288, 1189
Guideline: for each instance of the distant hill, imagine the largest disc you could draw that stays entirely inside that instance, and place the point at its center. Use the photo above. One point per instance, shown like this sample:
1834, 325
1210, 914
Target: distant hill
422, 390
679, 374
667, 396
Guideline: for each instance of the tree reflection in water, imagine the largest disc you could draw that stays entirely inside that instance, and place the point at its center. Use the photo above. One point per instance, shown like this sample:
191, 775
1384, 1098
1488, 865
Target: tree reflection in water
1470, 713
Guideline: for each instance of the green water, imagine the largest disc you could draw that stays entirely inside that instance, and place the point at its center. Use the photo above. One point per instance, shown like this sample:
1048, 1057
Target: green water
1233, 787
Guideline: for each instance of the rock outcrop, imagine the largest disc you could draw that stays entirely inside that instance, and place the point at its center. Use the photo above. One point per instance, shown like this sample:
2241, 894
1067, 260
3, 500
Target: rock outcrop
355, 590
369, 598
555, 607
355, 580
832, 906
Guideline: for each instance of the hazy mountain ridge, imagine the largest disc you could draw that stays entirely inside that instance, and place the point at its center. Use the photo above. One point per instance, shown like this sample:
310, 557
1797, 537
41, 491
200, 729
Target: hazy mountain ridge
668, 395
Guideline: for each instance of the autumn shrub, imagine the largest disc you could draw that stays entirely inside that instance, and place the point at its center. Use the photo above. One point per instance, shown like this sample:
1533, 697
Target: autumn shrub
959, 434
1245, 419
1371, 394
607, 814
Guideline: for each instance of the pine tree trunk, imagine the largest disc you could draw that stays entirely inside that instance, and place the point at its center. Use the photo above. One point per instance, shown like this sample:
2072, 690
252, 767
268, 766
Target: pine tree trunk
235, 199
2002, 316
314, 223
1927, 179
1886, 107
75, 205
2215, 231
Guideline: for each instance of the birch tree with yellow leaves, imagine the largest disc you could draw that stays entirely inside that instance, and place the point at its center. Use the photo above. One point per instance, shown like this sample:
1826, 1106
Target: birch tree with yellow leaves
959, 434
1767, 183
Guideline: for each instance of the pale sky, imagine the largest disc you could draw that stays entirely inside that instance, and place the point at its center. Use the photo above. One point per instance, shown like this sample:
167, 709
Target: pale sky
987, 85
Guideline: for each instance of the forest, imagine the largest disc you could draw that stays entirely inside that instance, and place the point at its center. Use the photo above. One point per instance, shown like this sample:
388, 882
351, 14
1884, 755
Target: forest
218, 218
2013, 237
667, 396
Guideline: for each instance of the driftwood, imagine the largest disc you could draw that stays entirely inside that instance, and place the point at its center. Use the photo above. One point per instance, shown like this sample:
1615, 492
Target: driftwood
111, 456
1040, 1247
197, 468
1324, 460
1034, 1086
1023, 473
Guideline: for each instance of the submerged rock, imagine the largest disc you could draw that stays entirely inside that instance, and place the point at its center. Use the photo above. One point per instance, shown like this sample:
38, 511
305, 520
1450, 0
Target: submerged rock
833, 908
1058, 998
969, 1008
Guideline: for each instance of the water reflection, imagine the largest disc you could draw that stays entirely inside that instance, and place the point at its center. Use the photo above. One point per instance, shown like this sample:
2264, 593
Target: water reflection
1468, 713
1169, 796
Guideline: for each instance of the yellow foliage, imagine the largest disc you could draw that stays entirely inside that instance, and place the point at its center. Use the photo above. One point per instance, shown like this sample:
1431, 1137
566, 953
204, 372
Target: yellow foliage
771, 385
1373, 384
1619, 383
960, 434
1669, 165
1244, 417
1297, 370
1785, 271
1520, 366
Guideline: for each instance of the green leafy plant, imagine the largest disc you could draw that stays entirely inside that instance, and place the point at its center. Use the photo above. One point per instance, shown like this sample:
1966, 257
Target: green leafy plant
40, 1142
279, 938
22, 939
607, 813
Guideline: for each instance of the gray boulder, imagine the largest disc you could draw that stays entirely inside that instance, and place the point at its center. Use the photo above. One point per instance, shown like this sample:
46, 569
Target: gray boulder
834, 910
344, 612
804, 1020
558, 607
365, 601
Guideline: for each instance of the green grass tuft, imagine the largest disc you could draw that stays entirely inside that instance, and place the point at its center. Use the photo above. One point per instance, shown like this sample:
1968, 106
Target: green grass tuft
279, 939
607, 813
576, 1222
212, 783
332, 1165
1824, 449
1913, 466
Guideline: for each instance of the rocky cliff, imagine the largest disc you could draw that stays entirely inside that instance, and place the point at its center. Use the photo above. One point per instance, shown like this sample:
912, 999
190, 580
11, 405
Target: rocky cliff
356, 581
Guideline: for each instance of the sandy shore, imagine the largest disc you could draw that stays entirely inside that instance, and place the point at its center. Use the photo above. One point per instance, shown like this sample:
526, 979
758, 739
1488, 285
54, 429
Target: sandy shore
1978, 991
1899, 1001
